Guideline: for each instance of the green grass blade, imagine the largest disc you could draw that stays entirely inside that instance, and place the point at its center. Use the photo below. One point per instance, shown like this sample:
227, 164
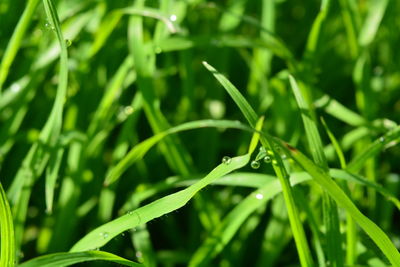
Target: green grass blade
243, 105
103, 234
330, 212
68, 258
7, 241
16, 40
391, 138
339, 111
137, 152
376, 11
51, 176
326, 182
225, 231
279, 168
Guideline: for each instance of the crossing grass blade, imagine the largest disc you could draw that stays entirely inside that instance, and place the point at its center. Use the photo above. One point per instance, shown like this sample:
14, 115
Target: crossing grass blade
138, 151
103, 234
330, 212
7, 240
225, 231
326, 182
68, 258
280, 170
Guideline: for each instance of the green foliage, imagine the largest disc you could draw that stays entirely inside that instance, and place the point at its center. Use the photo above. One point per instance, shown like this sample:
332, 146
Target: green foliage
128, 133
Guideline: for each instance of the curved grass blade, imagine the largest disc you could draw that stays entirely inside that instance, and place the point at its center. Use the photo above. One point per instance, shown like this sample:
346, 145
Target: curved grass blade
243, 105
225, 231
279, 168
326, 182
137, 152
68, 258
103, 234
7, 242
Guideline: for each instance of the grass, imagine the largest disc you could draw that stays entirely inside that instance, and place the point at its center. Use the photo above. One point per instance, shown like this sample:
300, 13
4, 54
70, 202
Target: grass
199, 133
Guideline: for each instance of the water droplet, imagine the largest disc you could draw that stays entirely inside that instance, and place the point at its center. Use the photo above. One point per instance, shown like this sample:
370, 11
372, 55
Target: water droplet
122, 234
68, 42
47, 25
255, 164
274, 162
128, 110
259, 196
381, 139
284, 156
157, 50
267, 159
172, 18
262, 149
226, 160
104, 235
130, 212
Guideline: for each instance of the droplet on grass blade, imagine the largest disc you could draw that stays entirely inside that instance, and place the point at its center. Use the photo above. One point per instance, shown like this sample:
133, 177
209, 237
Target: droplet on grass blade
104, 235
259, 196
255, 164
173, 17
226, 160
267, 159
68, 42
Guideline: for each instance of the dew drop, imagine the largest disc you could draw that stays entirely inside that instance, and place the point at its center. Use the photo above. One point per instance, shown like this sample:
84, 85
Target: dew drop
139, 254
104, 235
255, 164
157, 50
226, 160
259, 196
173, 18
262, 149
68, 42
130, 212
267, 159
381, 139
128, 110
274, 162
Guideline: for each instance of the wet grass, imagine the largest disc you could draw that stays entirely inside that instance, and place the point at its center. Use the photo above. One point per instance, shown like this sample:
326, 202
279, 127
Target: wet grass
170, 133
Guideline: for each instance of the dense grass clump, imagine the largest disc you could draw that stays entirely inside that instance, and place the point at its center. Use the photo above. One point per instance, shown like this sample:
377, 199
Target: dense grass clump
199, 133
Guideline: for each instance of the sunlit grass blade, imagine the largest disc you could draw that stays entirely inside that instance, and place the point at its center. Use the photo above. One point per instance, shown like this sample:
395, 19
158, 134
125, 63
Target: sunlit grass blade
244, 106
339, 111
70, 258
225, 231
330, 212
326, 182
279, 168
376, 11
7, 240
103, 234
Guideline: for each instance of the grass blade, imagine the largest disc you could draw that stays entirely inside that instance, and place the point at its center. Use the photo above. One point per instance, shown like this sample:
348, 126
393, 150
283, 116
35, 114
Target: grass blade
330, 212
251, 116
7, 240
137, 152
69, 258
326, 182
